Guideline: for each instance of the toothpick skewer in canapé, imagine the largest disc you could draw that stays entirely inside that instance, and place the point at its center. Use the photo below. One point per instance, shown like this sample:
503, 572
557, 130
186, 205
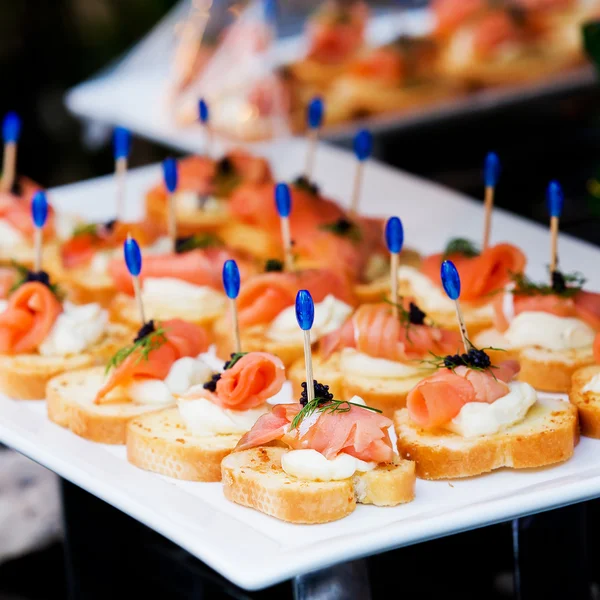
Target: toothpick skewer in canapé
491, 173
314, 117
394, 238
305, 315
204, 118
11, 130
39, 214
133, 260
283, 201
171, 178
231, 284
363, 146
555, 200
121, 145
451, 283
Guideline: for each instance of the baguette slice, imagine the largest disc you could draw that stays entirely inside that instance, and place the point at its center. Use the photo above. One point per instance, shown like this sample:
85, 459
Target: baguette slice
70, 403
547, 435
587, 403
25, 376
159, 442
254, 478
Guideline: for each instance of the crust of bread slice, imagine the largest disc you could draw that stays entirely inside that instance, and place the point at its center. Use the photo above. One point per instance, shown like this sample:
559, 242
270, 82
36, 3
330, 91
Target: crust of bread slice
25, 376
254, 478
547, 435
546, 370
123, 309
587, 403
160, 442
70, 403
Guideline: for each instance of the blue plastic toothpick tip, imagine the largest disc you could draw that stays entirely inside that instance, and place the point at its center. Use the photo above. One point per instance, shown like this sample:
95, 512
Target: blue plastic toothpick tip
305, 310
394, 235
270, 11
450, 280
231, 279
11, 127
39, 209
555, 199
133, 256
203, 111
283, 199
363, 144
170, 174
491, 169
121, 142
315, 113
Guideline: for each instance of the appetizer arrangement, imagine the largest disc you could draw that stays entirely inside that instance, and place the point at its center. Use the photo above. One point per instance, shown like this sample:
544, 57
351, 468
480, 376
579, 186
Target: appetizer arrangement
179, 346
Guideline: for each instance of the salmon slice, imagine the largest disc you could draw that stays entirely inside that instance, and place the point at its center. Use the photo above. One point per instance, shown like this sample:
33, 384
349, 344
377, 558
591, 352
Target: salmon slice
583, 305
181, 339
359, 432
251, 381
31, 312
8, 278
199, 267
597, 348
480, 275
264, 296
439, 398
374, 330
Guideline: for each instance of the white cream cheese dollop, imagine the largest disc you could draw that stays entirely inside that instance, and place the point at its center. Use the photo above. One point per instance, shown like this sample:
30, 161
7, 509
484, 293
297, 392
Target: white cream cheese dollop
593, 385
183, 374
548, 331
355, 362
10, 236
204, 418
330, 314
179, 294
75, 330
313, 466
481, 418
162, 245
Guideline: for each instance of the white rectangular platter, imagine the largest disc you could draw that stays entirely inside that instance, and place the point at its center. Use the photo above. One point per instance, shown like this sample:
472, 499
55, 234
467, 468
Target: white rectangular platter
254, 550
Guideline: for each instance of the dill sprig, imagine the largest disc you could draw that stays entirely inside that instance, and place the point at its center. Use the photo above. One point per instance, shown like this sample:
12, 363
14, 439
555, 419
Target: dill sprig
144, 345
476, 359
324, 405
461, 246
26, 276
235, 357
565, 285
85, 229
193, 242
274, 265
343, 228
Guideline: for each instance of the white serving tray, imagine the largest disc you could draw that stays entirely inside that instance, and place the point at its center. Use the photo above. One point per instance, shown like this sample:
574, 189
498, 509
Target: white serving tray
254, 550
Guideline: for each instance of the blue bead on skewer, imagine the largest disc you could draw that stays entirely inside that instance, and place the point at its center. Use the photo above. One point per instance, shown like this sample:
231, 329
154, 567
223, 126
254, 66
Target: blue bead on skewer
121, 142
363, 144
450, 280
270, 11
39, 209
170, 174
491, 170
203, 111
231, 279
133, 257
314, 113
394, 235
283, 199
305, 310
555, 199
11, 127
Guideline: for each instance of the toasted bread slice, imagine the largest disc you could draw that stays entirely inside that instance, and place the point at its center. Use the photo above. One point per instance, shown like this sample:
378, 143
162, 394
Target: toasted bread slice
70, 403
255, 478
161, 443
546, 370
251, 240
25, 376
123, 309
587, 403
547, 435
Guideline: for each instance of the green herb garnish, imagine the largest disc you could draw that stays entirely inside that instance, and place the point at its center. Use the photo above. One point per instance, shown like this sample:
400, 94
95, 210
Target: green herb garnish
564, 285
235, 357
193, 242
146, 344
324, 405
226, 178
274, 265
343, 228
461, 246
86, 229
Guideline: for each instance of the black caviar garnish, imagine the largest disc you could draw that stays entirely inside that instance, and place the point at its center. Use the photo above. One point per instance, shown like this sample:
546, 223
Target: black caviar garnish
321, 392
225, 166
39, 276
476, 359
415, 315
211, 385
182, 243
146, 329
303, 183
559, 285
110, 225
273, 265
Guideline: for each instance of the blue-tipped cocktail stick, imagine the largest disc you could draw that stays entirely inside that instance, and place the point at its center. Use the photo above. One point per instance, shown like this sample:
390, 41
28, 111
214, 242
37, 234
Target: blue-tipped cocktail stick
231, 284
133, 260
555, 201
283, 199
363, 146
314, 113
121, 142
491, 170
170, 175
11, 130
451, 284
283, 202
305, 315
394, 238
121, 147
491, 174
314, 120
203, 113
39, 209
